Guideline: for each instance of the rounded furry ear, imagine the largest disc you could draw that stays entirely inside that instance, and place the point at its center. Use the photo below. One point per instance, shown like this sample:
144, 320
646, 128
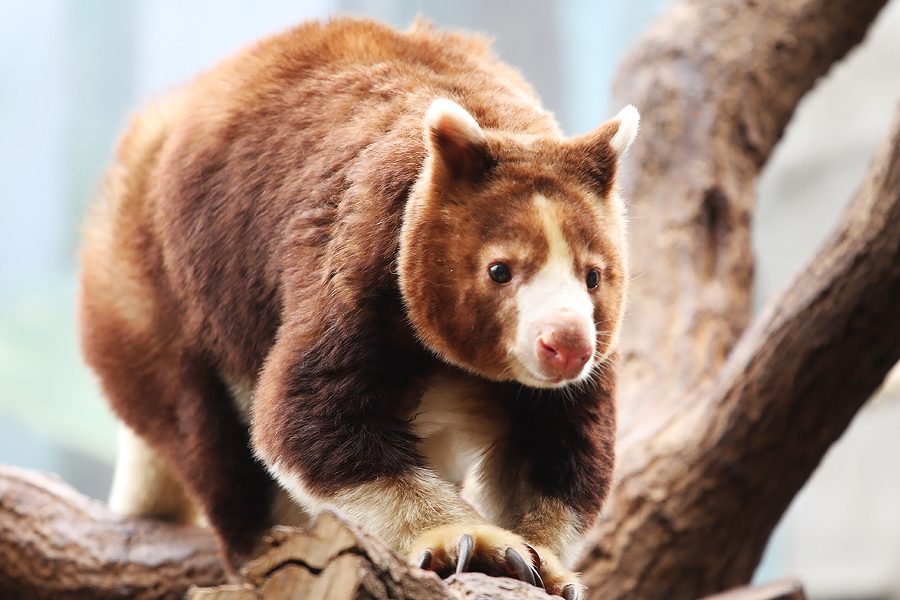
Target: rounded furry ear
455, 142
618, 133
629, 121
602, 149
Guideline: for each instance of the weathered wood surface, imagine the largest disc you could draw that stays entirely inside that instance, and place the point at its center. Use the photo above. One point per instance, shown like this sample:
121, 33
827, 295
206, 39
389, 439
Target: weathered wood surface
56, 543
332, 559
721, 423
716, 82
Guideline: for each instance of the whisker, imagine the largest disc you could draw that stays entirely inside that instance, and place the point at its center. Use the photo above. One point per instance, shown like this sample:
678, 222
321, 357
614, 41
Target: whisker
639, 276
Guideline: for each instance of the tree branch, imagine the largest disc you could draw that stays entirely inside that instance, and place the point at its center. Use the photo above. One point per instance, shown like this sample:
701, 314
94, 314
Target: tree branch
56, 543
696, 503
333, 559
716, 82
711, 452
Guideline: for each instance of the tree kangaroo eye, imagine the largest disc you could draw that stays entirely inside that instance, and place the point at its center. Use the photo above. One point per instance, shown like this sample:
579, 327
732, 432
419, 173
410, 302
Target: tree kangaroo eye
500, 273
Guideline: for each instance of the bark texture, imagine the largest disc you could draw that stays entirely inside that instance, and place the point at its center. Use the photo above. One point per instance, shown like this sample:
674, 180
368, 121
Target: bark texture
56, 543
721, 419
332, 559
721, 424
716, 82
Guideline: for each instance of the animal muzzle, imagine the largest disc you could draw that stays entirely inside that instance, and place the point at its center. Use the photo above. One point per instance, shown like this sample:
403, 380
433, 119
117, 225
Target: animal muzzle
563, 349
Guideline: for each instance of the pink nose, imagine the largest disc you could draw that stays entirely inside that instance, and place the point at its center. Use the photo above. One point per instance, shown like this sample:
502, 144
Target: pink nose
563, 353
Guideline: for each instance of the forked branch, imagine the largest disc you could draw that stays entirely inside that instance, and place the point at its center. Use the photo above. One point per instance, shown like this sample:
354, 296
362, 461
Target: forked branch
716, 436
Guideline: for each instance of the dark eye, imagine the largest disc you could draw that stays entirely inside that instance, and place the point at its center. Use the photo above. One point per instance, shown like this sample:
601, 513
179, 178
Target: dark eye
500, 273
593, 279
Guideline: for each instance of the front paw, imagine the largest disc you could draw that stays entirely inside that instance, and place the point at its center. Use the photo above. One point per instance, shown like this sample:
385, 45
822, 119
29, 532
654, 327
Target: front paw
557, 579
482, 548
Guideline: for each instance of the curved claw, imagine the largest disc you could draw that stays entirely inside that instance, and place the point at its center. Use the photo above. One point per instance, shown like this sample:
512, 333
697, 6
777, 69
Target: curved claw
536, 566
424, 560
522, 568
465, 553
570, 592
534, 554
538, 582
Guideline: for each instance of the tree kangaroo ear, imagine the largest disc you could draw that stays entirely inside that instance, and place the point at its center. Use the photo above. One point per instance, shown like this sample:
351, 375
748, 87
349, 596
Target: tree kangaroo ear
628, 120
456, 145
601, 149
616, 134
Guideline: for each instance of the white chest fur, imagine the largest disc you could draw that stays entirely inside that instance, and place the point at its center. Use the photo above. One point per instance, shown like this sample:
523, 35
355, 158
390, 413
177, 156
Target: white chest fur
457, 420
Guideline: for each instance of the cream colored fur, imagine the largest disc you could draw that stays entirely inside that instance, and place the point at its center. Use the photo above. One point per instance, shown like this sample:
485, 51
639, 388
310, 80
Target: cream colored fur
630, 120
145, 486
398, 511
455, 424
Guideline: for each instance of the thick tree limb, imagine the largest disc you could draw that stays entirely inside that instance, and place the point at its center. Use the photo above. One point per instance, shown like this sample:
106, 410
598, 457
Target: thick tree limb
696, 502
716, 82
332, 559
56, 543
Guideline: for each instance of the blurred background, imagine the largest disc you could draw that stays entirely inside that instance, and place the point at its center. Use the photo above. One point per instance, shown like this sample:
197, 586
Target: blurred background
72, 71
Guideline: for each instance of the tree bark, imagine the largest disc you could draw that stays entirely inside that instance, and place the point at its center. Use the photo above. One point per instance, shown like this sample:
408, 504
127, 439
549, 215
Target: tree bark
333, 559
716, 436
696, 501
56, 543
716, 82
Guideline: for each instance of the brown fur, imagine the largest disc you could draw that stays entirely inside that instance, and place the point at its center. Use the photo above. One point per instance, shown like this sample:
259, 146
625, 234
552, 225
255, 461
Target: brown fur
250, 231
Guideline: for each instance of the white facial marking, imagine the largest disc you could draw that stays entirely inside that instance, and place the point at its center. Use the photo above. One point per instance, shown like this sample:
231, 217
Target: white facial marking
555, 314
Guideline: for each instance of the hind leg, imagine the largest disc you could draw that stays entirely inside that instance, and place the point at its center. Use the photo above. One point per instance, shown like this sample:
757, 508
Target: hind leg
209, 448
185, 435
153, 371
